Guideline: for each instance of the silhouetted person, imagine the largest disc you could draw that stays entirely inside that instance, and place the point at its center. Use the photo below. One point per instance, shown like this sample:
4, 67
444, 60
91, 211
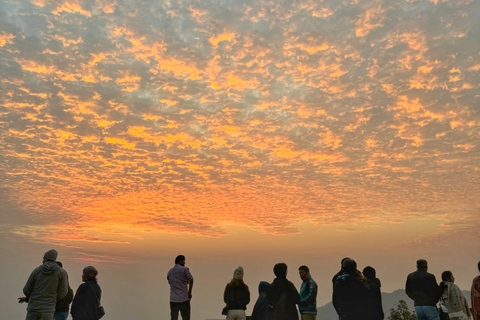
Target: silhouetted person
46, 284
351, 296
308, 295
63, 305
283, 295
373, 283
179, 278
423, 289
86, 303
476, 296
236, 296
261, 310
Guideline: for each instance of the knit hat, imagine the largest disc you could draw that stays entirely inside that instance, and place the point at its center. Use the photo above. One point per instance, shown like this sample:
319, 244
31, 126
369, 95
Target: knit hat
90, 272
238, 273
51, 255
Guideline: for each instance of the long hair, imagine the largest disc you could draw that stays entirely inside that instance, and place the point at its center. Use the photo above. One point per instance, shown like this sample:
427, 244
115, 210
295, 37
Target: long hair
236, 283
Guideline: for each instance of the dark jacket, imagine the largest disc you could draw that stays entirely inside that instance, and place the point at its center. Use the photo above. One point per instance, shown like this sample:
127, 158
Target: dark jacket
236, 297
64, 304
422, 288
86, 301
351, 297
46, 284
376, 309
283, 296
261, 310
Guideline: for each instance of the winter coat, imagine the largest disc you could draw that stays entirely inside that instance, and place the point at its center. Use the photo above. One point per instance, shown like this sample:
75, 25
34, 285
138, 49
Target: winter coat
86, 301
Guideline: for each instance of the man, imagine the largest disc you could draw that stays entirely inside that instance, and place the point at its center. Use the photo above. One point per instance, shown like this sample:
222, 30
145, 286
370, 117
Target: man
46, 284
423, 289
179, 277
283, 295
308, 295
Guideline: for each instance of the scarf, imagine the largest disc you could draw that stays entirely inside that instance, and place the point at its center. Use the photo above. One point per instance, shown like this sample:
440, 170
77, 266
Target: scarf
453, 299
476, 298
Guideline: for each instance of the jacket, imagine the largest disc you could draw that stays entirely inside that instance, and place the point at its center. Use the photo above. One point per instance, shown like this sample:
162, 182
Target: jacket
46, 284
86, 301
351, 297
236, 297
283, 296
422, 288
308, 297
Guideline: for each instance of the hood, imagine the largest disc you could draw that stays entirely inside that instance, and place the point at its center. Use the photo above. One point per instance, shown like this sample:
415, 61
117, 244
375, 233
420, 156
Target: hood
49, 267
263, 286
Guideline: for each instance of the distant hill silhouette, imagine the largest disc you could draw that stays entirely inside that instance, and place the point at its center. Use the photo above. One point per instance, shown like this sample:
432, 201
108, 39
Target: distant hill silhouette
389, 301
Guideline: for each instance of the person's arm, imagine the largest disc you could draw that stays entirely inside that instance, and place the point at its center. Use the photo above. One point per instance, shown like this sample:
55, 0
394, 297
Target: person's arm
190, 287
225, 294
408, 288
28, 288
62, 286
311, 294
247, 295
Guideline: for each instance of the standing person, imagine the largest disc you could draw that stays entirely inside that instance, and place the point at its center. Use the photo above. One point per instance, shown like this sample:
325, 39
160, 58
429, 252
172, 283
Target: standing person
351, 296
46, 284
236, 296
261, 310
453, 301
308, 295
423, 289
283, 295
86, 303
374, 285
475, 293
179, 277
63, 305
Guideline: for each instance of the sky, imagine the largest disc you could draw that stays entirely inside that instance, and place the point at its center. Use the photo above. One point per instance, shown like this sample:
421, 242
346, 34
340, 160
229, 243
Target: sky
236, 133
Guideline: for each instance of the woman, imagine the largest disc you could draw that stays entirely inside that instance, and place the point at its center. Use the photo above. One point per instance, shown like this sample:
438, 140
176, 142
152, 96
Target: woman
374, 284
283, 295
236, 296
476, 296
261, 310
86, 304
452, 301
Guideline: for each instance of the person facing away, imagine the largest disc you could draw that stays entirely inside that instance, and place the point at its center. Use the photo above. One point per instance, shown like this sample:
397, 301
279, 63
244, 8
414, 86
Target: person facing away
423, 289
452, 300
63, 305
261, 310
308, 295
46, 284
374, 285
87, 298
283, 295
475, 295
351, 296
236, 296
179, 278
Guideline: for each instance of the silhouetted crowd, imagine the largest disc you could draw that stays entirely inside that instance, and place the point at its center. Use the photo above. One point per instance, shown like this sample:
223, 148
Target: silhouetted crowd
356, 295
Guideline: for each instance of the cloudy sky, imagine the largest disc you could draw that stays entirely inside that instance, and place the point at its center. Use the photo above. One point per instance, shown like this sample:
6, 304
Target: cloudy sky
238, 133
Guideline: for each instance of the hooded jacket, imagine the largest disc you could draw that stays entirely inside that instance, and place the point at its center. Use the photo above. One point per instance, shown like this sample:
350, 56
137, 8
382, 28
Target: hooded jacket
46, 285
86, 301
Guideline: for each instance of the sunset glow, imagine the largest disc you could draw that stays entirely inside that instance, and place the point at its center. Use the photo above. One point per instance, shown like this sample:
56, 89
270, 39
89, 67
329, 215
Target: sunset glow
129, 123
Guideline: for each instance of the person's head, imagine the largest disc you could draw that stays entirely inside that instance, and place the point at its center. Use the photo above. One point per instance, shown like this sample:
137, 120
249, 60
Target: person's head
478, 266
341, 263
422, 264
50, 255
263, 287
369, 272
89, 273
60, 264
180, 259
303, 272
448, 276
280, 270
349, 266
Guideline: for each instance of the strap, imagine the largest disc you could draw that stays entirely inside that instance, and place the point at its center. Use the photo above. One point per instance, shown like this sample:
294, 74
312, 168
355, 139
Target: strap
98, 300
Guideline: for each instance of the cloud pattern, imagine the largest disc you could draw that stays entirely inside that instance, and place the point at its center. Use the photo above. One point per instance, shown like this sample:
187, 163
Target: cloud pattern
189, 116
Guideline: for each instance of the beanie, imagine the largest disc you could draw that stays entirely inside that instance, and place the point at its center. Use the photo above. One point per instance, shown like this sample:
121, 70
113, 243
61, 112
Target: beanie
238, 273
51, 255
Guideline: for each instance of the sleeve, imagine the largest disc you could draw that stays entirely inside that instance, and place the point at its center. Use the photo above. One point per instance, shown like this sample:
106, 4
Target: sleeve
247, 295
69, 296
408, 288
28, 288
294, 296
225, 294
78, 299
311, 295
188, 275
62, 286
